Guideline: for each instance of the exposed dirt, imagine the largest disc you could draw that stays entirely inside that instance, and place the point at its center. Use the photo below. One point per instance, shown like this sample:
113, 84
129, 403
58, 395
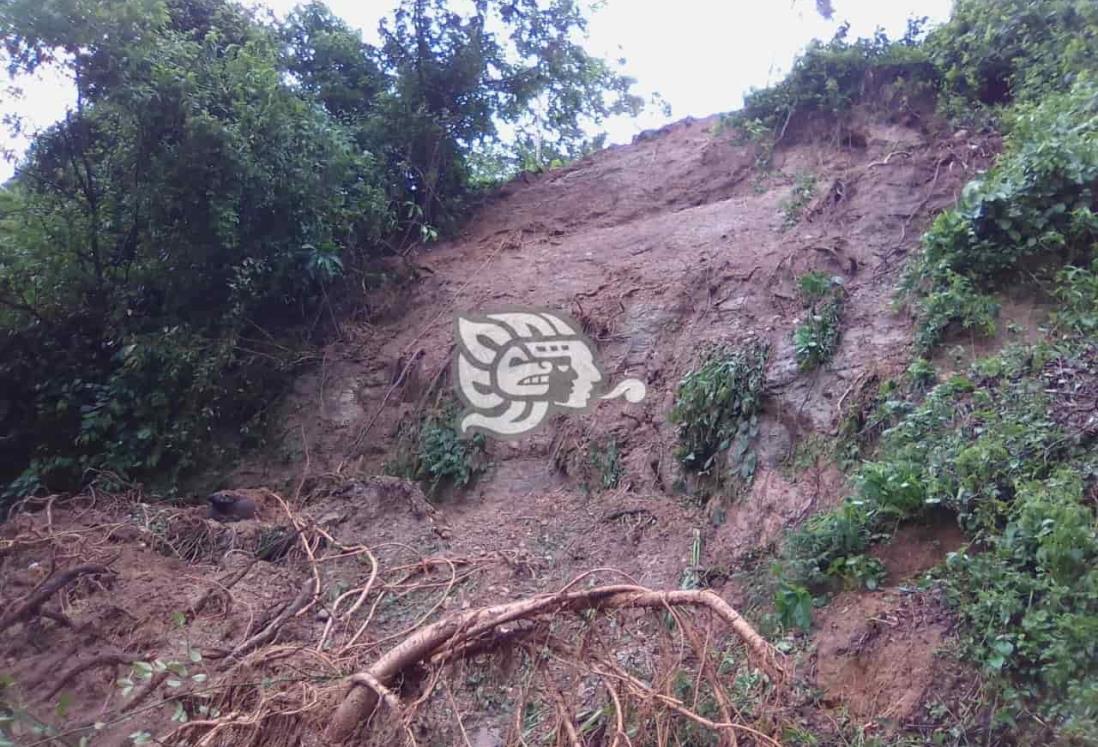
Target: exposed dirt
658, 248
919, 547
875, 653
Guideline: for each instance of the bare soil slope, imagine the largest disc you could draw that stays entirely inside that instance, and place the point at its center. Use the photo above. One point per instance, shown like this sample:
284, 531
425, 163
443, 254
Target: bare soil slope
658, 248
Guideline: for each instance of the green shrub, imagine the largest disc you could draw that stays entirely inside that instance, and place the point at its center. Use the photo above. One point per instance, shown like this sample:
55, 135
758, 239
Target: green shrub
832, 77
814, 286
445, 457
817, 338
1037, 202
1077, 292
716, 411
434, 452
1030, 603
964, 448
813, 552
998, 51
920, 375
793, 606
954, 303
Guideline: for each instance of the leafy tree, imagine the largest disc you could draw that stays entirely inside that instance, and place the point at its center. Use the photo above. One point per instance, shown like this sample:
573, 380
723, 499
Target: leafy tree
458, 77
160, 244
190, 194
331, 63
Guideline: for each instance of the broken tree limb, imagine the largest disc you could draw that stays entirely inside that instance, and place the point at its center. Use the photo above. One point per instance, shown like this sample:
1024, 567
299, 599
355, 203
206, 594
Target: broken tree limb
456, 631
267, 634
49, 587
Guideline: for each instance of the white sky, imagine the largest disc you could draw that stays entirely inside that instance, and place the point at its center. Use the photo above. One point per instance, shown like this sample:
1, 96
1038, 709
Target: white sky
700, 55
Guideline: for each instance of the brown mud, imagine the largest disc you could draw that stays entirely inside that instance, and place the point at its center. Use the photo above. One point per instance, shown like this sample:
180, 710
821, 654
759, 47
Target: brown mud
659, 249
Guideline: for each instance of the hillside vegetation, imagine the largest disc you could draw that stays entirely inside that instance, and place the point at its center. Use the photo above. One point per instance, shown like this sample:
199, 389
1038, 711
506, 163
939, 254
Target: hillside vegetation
865, 307
1008, 447
168, 249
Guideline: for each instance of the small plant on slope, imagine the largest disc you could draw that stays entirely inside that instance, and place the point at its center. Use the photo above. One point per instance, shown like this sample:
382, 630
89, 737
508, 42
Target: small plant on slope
605, 459
804, 189
816, 339
716, 411
435, 453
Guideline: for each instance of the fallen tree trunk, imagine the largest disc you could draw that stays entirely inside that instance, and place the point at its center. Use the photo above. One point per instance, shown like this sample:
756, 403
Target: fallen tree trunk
365, 689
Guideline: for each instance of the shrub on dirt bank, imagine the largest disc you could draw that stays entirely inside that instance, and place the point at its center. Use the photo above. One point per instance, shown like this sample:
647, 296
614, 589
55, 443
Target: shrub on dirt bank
1004, 448
433, 452
817, 337
1007, 451
831, 77
1038, 203
716, 411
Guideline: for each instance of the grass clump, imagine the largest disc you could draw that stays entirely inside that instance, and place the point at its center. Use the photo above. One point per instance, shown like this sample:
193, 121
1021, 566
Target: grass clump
816, 339
716, 411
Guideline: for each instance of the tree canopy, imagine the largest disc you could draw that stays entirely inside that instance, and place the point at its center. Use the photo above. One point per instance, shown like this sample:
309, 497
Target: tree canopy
219, 172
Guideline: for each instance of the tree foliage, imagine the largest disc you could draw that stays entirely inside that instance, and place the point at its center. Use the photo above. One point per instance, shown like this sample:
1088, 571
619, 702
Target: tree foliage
218, 173
831, 77
1015, 50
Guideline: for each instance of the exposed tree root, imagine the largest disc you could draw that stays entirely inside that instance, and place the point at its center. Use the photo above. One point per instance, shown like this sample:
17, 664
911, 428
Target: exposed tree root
221, 587
113, 659
30, 606
270, 630
572, 668
459, 630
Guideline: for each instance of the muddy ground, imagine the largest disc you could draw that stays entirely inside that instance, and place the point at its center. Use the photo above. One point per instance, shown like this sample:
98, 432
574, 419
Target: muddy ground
659, 249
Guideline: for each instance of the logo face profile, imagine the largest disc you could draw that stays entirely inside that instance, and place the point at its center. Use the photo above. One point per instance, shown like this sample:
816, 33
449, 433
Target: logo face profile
514, 368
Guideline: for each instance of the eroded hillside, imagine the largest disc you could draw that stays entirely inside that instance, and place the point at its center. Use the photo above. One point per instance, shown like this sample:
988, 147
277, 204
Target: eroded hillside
689, 237
659, 249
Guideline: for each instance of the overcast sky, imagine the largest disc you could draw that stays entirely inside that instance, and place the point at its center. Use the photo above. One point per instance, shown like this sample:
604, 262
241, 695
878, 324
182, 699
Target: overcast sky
700, 55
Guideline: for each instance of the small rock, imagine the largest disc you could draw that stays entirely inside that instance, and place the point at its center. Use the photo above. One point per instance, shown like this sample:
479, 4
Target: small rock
485, 737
